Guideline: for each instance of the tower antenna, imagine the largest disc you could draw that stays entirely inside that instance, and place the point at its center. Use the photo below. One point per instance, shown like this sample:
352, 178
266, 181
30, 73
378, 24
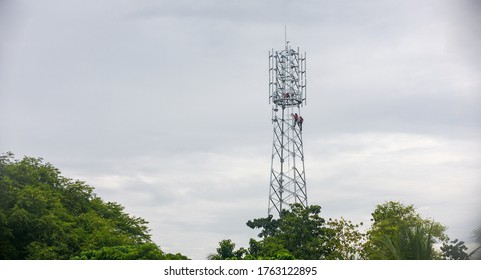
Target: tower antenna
287, 92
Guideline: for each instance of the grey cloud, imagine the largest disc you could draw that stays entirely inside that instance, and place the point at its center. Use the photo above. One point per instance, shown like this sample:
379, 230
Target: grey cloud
162, 106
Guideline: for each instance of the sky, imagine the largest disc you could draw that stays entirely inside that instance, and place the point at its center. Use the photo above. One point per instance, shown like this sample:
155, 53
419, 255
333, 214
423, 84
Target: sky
162, 106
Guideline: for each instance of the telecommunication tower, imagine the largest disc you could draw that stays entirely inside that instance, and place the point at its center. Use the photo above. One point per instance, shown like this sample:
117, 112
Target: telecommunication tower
287, 93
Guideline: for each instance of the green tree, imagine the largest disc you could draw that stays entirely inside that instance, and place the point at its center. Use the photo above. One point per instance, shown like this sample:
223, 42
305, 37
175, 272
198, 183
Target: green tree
145, 251
268, 249
350, 240
398, 232
226, 251
44, 215
299, 233
454, 250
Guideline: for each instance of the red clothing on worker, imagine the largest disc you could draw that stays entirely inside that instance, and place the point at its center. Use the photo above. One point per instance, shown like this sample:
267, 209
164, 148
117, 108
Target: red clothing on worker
296, 119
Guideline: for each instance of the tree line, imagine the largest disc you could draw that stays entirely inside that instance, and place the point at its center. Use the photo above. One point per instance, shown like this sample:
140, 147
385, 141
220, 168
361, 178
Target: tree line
44, 215
397, 232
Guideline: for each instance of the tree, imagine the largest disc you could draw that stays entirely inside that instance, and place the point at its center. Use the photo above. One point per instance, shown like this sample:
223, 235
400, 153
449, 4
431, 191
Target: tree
226, 251
476, 253
268, 249
454, 250
145, 251
299, 233
349, 239
416, 243
44, 215
398, 232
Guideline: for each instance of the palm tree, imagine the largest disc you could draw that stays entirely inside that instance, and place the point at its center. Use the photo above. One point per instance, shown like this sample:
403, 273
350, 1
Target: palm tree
475, 253
412, 243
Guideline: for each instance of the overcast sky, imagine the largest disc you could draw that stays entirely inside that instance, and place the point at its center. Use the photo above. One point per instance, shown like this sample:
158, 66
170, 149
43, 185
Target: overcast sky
162, 106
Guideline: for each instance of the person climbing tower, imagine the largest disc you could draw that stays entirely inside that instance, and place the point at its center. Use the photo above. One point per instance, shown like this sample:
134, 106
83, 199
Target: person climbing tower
300, 121
296, 119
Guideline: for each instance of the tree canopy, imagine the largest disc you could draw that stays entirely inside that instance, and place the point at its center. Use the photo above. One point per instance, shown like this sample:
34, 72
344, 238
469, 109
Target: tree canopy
299, 233
397, 232
44, 215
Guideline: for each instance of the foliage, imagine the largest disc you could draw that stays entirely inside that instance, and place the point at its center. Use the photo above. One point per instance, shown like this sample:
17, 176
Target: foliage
226, 251
398, 232
268, 249
299, 233
145, 251
304, 233
416, 243
476, 253
454, 250
46, 216
349, 239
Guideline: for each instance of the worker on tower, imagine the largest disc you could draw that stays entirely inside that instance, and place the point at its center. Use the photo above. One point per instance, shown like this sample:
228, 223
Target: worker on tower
301, 120
296, 119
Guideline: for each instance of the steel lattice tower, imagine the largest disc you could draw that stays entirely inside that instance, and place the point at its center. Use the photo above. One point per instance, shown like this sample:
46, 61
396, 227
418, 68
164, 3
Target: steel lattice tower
287, 93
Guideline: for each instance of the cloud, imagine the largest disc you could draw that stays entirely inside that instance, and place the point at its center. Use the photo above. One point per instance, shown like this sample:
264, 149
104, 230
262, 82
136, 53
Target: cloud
162, 106
350, 172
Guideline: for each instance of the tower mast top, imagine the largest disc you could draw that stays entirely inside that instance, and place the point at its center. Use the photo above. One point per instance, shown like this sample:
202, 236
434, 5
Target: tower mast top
287, 76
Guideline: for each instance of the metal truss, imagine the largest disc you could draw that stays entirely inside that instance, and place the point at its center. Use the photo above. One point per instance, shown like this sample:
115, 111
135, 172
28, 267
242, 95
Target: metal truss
287, 77
287, 92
